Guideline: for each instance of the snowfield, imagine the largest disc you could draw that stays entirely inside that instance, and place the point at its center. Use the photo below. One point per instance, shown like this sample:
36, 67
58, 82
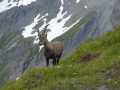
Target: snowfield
8, 4
86, 7
77, 1
57, 28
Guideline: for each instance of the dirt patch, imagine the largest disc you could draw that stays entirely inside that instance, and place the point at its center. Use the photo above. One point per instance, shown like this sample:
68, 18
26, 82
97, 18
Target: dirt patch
88, 57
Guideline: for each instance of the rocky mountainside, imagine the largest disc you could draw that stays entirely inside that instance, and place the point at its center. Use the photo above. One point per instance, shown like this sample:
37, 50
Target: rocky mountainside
80, 20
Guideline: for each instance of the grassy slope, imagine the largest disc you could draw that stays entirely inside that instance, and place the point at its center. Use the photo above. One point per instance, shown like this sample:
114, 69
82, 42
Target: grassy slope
102, 68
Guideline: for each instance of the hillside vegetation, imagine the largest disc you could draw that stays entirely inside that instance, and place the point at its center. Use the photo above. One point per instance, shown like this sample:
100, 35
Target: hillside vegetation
94, 64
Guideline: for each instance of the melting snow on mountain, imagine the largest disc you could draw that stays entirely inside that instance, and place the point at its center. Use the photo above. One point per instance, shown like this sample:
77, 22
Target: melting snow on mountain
86, 7
77, 1
57, 28
8, 4
28, 29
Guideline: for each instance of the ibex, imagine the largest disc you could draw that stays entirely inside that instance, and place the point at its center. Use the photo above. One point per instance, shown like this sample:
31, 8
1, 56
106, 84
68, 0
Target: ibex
53, 50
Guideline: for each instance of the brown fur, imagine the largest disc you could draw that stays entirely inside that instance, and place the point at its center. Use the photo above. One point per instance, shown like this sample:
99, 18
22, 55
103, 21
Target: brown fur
53, 50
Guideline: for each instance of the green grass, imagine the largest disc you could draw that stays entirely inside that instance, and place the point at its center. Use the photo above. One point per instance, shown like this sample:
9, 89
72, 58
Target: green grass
71, 74
5, 39
3, 64
25, 40
13, 36
4, 76
33, 51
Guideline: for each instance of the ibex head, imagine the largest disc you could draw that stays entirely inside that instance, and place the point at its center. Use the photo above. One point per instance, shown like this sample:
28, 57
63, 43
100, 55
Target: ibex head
42, 35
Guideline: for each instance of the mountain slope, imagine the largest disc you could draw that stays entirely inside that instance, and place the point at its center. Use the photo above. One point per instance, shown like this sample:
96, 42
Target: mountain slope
94, 65
19, 54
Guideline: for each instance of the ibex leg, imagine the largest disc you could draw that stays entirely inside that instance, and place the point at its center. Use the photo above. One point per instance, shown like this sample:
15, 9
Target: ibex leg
47, 61
54, 61
58, 59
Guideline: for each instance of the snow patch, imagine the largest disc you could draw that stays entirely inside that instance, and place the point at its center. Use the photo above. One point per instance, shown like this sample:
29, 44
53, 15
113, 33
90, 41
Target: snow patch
25, 2
6, 4
57, 28
28, 29
86, 7
18, 77
77, 1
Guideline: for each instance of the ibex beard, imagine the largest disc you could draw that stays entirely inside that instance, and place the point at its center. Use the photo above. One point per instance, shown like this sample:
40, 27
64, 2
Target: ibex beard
53, 50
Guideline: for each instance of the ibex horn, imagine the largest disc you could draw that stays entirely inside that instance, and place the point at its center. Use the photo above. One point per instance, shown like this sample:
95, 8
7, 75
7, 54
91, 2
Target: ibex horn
44, 30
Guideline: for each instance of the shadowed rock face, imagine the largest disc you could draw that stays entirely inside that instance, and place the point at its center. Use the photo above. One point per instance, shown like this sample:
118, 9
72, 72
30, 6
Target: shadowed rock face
18, 55
115, 17
98, 25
